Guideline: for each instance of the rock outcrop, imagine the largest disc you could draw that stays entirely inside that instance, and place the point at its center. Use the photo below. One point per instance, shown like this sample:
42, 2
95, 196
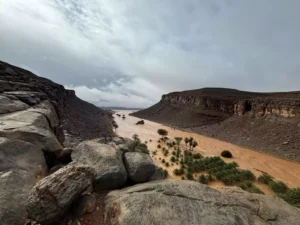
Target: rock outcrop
173, 202
262, 121
140, 166
107, 162
52, 196
33, 112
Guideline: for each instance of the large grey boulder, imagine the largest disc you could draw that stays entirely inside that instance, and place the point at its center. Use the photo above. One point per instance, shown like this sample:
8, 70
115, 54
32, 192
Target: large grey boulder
8, 105
139, 166
53, 195
22, 155
107, 162
15, 186
158, 174
171, 202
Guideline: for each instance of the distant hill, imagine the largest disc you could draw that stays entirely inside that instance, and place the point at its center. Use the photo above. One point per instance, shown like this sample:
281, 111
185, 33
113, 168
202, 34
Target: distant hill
268, 122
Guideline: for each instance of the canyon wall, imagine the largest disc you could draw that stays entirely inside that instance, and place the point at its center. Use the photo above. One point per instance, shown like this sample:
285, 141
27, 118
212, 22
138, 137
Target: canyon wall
268, 122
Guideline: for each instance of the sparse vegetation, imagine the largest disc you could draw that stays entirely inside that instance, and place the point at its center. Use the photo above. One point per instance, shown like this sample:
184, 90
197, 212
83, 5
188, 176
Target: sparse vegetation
248, 186
178, 172
292, 196
162, 132
158, 146
278, 187
226, 154
265, 178
141, 122
203, 179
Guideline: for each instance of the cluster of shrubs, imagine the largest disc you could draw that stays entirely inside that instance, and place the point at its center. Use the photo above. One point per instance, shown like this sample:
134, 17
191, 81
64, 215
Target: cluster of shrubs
248, 186
291, 196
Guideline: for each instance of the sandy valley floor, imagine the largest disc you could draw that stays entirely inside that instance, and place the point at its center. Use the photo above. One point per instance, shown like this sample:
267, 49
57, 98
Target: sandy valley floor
286, 171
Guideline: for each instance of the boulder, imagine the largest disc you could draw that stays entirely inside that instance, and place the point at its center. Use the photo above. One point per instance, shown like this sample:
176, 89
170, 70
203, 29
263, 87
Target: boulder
139, 166
8, 105
52, 196
84, 204
175, 202
22, 155
107, 162
15, 186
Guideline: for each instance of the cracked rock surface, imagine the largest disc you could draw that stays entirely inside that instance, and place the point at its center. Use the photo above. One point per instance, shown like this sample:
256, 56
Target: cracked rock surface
172, 202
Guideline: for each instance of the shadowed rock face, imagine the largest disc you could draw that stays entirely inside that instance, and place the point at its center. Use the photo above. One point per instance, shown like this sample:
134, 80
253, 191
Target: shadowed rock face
262, 121
171, 202
32, 114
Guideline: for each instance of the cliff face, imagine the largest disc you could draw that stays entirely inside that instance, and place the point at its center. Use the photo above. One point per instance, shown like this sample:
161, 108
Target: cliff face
267, 122
76, 116
238, 102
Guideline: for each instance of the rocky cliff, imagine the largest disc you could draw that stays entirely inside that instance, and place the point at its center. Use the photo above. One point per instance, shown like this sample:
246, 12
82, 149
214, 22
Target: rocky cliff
264, 121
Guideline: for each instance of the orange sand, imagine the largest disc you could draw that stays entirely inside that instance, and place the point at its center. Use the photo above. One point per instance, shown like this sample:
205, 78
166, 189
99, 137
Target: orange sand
286, 171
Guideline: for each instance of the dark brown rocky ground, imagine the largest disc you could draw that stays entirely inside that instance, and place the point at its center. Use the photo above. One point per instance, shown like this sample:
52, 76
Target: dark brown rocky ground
267, 122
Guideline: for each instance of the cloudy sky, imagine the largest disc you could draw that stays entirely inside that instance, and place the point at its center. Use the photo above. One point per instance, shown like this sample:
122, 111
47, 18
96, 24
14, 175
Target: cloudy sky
130, 52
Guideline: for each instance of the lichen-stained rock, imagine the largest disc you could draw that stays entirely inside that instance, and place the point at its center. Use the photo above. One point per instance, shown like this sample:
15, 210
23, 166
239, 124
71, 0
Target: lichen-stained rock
107, 162
52, 196
171, 202
139, 166
15, 186
16, 154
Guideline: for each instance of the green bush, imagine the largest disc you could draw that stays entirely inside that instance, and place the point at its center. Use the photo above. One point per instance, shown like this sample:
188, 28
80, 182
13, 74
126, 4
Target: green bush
226, 154
167, 164
143, 148
163, 160
178, 171
265, 178
197, 156
154, 152
203, 179
158, 146
278, 187
292, 196
190, 176
165, 173
173, 159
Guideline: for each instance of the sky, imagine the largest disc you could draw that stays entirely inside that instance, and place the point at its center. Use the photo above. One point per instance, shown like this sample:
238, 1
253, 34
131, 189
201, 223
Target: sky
128, 53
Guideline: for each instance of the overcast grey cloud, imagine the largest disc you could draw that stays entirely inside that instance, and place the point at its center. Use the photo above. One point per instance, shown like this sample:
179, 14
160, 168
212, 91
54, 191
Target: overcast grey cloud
129, 53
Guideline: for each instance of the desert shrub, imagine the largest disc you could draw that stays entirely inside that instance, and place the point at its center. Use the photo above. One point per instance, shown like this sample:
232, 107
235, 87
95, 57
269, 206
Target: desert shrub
173, 159
210, 177
165, 173
178, 171
146, 142
265, 178
255, 190
162, 132
226, 154
143, 148
197, 156
163, 160
150, 140
278, 187
203, 179
292, 196
158, 146
167, 164
247, 175
141, 122
190, 176
182, 178
174, 153
154, 152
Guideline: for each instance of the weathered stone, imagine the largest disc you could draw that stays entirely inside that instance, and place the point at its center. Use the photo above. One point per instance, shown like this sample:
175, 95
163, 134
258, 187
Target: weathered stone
171, 202
8, 105
139, 166
84, 204
52, 196
15, 186
107, 162
118, 140
22, 155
